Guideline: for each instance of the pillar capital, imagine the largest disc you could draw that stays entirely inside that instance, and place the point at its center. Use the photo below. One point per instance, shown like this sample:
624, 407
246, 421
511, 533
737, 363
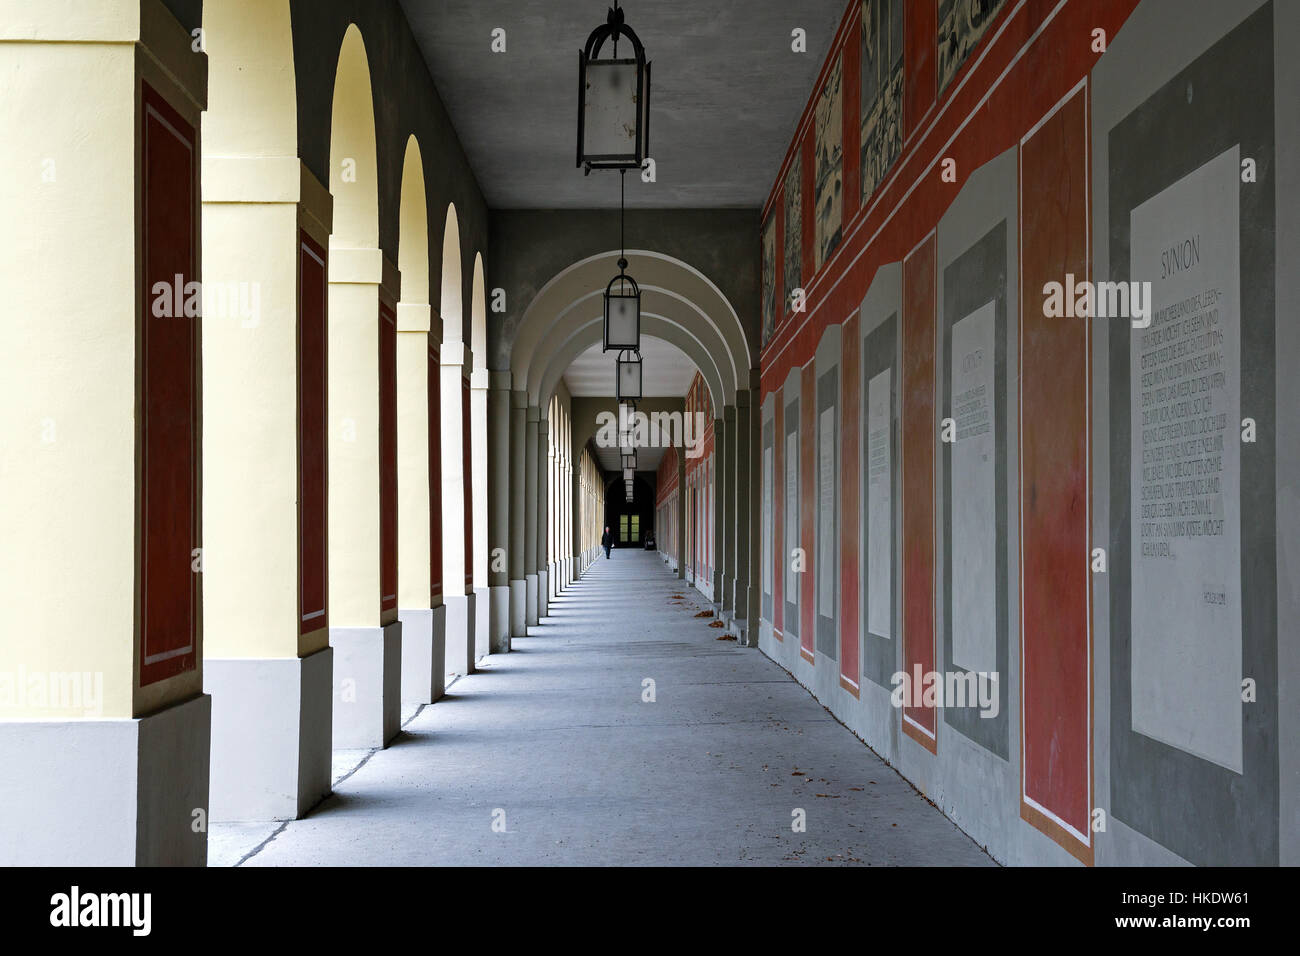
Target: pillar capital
353, 266
414, 317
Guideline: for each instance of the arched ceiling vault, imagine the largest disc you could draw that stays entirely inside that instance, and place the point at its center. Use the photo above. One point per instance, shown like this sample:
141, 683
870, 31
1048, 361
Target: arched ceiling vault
582, 337
671, 290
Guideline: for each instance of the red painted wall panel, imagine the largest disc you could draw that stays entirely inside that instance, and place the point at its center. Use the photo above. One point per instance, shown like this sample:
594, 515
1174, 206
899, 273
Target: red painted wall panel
918, 447
435, 476
920, 60
851, 86
387, 458
1054, 402
169, 428
313, 437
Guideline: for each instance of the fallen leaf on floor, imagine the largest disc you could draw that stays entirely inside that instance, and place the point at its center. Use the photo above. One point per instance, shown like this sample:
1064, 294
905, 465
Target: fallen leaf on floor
725, 637
716, 624
705, 614
796, 773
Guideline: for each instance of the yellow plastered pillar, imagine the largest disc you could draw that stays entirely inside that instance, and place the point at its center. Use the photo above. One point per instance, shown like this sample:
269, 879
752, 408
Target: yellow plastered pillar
257, 200
101, 770
452, 357
251, 222
355, 275
478, 413
414, 321
70, 309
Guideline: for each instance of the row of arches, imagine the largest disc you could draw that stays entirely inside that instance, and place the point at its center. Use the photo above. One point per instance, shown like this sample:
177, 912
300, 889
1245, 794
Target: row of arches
346, 487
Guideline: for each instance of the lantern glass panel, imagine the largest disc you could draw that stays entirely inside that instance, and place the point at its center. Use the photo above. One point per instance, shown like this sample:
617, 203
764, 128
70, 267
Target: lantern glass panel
629, 379
611, 115
622, 322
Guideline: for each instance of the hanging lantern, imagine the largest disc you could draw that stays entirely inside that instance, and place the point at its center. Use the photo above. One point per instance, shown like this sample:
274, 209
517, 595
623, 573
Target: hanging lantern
629, 461
622, 312
628, 476
627, 384
613, 100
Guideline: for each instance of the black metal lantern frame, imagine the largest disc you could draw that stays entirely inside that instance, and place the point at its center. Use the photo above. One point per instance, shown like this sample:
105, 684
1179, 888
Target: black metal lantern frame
629, 461
613, 100
627, 381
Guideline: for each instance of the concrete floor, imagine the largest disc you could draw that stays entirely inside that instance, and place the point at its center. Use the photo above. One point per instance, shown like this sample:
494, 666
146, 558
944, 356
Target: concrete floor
550, 756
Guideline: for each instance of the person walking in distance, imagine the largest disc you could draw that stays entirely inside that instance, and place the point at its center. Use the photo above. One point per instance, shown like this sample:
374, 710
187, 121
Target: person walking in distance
607, 542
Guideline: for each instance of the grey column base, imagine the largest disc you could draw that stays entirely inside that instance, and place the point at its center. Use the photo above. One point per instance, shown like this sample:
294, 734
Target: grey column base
271, 740
751, 634
106, 792
460, 635
482, 614
424, 648
499, 619
530, 616
543, 594
726, 597
518, 608
367, 685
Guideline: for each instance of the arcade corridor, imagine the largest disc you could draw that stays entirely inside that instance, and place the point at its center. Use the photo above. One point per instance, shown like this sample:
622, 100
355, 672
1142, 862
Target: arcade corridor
557, 737
931, 362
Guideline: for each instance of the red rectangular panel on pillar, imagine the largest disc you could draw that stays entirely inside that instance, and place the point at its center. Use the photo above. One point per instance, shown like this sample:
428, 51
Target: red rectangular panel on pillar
1054, 403
850, 398
435, 476
851, 121
313, 437
807, 511
779, 555
920, 61
918, 446
467, 479
387, 458
168, 360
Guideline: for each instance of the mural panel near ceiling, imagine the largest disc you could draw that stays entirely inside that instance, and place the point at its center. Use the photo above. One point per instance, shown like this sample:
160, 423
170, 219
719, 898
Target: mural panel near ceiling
829, 156
793, 229
881, 90
769, 278
962, 23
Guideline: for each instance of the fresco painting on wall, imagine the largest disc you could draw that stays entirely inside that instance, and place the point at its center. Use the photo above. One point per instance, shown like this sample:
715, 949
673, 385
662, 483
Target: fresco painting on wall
769, 278
882, 90
830, 164
961, 25
793, 229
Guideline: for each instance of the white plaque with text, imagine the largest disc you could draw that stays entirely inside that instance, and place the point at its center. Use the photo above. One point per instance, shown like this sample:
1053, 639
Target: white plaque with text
974, 508
879, 506
791, 519
826, 515
1185, 485
767, 520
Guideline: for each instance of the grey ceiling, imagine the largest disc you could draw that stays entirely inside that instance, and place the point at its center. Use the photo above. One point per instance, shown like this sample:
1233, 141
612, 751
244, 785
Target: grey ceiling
666, 371
726, 94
